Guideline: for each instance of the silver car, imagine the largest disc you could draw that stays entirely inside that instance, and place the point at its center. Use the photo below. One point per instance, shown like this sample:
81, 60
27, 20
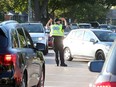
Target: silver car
38, 35
88, 44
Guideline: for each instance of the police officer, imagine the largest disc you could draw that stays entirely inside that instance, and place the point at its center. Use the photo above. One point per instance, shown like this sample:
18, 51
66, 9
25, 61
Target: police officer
57, 32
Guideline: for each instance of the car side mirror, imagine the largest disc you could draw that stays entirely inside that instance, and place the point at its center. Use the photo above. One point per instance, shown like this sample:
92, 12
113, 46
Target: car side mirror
93, 40
96, 65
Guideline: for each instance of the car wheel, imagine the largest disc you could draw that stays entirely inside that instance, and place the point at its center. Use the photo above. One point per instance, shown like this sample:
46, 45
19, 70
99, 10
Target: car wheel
100, 55
67, 54
45, 52
41, 81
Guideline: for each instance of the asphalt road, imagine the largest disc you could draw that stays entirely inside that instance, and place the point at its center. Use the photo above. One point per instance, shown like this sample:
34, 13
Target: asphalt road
75, 75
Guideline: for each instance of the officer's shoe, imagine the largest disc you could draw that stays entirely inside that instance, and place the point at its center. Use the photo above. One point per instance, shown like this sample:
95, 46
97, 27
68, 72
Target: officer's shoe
65, 65
57, 64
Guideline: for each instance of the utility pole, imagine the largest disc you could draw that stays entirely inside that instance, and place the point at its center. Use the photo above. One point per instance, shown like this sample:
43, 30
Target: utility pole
29, 11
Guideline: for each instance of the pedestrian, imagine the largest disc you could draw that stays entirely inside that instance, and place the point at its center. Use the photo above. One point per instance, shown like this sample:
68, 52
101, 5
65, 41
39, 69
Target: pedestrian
57, 32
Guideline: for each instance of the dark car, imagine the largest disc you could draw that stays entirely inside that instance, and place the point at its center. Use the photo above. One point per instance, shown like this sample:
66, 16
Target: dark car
107, 77
21, 64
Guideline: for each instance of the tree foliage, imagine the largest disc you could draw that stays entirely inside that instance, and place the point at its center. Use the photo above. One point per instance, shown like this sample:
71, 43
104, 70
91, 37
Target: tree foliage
80, 9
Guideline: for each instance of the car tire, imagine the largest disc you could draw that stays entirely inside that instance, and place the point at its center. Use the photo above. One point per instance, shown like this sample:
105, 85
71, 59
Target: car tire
100, 55
45, 52
67, 54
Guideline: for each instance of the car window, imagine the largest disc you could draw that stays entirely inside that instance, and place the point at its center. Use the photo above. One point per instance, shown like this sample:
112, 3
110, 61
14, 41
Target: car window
3, 39
104, 26
73, 26
88, 35
21, 35
14, 38
79, 35
112, 36
104, 35
34, 28
71, 35
28, 39
84, 26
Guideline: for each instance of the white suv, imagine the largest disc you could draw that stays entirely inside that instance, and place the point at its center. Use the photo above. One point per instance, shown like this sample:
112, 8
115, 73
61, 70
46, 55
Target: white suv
38, 35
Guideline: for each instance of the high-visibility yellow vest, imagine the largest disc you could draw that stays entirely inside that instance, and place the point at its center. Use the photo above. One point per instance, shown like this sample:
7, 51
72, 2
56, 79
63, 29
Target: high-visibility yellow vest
56, 30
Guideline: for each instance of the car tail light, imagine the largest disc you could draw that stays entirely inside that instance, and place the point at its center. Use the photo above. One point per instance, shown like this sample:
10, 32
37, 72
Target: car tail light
7, 59
106, 84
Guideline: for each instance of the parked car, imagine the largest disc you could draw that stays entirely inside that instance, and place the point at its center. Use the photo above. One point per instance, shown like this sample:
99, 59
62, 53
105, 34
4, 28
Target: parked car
38, 35
113, 28
67, 31
95, 24
21, 63
107, 69
85, 25
92, 44
105, 26
73, 26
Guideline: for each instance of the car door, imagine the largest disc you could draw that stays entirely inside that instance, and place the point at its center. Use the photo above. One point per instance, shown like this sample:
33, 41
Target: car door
78, 42
75, 42
34, 62
87, 45
69, 42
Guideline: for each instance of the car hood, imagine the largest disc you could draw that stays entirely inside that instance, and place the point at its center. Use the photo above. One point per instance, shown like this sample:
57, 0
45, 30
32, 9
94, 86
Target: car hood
37, 34
106, 43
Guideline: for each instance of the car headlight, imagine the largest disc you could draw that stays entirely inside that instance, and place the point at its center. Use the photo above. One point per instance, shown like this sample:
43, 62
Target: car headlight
41, 38
107, 47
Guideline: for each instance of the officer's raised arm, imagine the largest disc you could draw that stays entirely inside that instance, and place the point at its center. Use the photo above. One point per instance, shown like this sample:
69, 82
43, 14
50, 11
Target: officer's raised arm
49, 23
64, 20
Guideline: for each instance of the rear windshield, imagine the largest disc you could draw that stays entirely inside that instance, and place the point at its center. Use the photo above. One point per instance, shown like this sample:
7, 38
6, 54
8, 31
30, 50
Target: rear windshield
3, 39
34, 28
84, 26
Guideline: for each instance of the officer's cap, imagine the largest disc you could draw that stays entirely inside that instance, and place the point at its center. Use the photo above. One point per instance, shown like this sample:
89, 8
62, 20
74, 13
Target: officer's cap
57, 19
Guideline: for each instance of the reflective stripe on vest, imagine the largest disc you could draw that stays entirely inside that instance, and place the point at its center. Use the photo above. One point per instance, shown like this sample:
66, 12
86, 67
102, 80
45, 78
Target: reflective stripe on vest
56, 30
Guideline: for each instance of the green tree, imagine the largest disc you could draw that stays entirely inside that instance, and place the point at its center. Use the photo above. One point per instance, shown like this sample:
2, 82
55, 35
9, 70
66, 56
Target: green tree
66, 8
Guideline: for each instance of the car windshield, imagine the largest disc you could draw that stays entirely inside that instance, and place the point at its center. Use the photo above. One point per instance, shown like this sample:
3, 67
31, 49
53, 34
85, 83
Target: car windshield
73, 26
3, 39
106, 36
33, 28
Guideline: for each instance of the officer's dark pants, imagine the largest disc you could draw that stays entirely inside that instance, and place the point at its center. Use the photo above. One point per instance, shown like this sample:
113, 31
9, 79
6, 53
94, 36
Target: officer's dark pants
58, 49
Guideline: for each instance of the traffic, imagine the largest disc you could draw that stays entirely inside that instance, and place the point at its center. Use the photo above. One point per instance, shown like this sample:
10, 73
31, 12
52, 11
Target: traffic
57, 43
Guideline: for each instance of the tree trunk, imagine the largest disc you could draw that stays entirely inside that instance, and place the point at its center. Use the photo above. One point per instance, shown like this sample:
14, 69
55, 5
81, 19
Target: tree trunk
39, 9
36, 10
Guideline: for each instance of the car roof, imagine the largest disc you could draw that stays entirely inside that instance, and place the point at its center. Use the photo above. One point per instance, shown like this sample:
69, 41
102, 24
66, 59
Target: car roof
8, 25
9, 21
31, 23
91, 30
84, 24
